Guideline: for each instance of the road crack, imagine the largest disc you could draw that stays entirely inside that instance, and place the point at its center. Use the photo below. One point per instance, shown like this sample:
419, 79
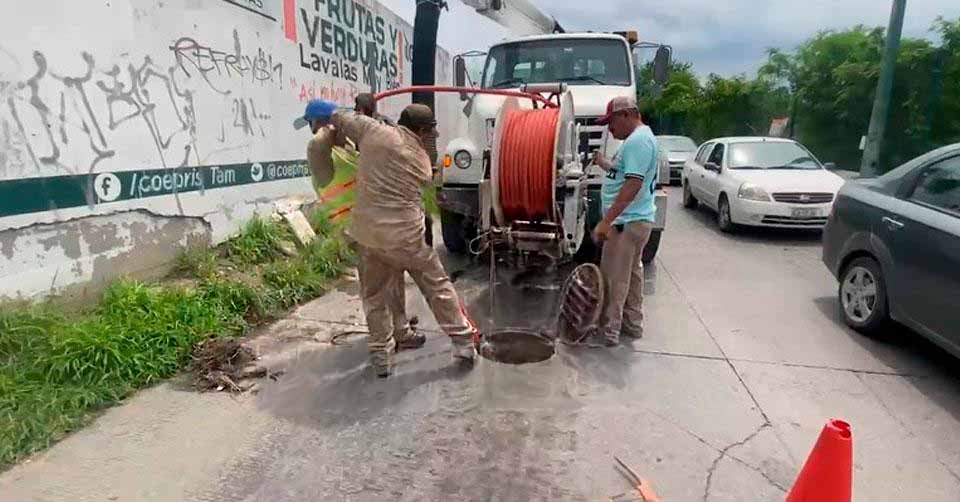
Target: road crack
909, 432
725, 451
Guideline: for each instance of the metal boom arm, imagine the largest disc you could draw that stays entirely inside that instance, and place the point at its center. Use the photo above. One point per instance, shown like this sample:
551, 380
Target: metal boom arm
519, 16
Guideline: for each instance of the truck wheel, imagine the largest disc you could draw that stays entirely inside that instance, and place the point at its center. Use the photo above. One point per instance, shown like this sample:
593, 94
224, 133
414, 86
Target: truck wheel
456, 235
653, 245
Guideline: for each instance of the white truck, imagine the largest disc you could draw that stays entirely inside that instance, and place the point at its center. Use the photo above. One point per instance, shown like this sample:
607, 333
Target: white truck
595, 67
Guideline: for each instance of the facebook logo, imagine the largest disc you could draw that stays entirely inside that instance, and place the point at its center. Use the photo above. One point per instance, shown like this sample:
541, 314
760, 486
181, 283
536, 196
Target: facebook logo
107, 186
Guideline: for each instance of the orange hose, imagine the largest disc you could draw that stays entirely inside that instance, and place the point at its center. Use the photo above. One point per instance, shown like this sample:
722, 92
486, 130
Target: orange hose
527, 149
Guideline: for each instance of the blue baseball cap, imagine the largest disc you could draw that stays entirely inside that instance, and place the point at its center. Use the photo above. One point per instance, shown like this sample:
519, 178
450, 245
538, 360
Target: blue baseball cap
317, 109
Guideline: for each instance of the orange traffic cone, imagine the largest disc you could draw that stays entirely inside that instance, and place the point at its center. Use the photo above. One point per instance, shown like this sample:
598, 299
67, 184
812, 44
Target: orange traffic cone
827, 476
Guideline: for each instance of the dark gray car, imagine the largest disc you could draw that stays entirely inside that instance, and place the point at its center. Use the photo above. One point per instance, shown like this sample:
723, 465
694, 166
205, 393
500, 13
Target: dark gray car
893, 243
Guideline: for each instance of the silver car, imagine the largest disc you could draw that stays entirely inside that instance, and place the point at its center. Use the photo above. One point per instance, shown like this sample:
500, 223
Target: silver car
674, 152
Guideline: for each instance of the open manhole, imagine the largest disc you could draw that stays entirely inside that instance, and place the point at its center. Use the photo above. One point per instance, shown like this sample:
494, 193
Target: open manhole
516, 346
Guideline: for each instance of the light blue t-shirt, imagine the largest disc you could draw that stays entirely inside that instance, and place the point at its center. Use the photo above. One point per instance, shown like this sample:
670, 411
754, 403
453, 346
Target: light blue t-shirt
637, 158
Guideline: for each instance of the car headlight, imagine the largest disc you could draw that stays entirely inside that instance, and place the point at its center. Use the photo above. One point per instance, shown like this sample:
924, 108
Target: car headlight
463, 159
749, 191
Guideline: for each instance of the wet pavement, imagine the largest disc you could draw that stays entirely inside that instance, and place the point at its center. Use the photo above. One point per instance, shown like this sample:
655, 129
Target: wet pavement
743, 360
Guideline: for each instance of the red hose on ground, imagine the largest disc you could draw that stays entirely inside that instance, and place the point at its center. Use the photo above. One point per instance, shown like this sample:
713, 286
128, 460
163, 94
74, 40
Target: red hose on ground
526, 168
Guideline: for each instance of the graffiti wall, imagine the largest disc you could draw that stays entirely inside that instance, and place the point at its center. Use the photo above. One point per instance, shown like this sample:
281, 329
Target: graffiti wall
131, 128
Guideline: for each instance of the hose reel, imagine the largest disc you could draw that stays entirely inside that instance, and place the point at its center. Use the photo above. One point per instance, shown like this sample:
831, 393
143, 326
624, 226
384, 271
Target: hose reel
531, 148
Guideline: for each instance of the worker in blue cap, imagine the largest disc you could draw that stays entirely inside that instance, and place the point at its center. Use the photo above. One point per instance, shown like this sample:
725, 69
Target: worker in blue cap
388, 225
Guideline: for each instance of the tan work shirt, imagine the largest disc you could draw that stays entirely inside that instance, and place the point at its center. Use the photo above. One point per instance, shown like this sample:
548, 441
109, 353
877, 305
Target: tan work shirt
391, 172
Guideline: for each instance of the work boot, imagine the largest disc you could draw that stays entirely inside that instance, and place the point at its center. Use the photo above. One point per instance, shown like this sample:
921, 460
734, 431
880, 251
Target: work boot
632, 333
464, 350
409, 339
611, 339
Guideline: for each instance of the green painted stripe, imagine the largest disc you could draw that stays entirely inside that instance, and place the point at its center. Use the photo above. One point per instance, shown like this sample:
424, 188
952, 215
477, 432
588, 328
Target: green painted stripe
33, 195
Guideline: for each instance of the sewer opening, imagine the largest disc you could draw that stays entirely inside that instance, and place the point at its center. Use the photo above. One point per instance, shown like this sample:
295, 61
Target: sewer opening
514, 346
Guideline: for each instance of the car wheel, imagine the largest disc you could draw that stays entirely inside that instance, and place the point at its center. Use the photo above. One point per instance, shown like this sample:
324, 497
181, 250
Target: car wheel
689, 201
863, 296
724, 220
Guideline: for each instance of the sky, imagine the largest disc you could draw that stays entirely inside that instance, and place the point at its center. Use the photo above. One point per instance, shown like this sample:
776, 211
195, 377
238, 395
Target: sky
725, 37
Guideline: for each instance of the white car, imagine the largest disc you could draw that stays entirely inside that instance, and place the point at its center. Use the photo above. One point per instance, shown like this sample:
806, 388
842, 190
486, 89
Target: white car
675, 151
763, 182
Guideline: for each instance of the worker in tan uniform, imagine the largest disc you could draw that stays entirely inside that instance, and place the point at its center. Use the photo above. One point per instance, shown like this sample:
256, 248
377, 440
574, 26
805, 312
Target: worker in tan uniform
629, 213
388, 224
366, 104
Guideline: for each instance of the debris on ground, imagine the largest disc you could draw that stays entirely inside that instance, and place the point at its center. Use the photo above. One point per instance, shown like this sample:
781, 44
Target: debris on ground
226, 364
300, 226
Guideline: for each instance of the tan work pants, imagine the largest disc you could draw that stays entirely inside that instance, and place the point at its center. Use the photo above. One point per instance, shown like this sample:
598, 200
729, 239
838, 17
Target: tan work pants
382, 291
622, 267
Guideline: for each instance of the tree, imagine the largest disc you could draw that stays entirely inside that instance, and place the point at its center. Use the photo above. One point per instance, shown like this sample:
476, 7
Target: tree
826, 85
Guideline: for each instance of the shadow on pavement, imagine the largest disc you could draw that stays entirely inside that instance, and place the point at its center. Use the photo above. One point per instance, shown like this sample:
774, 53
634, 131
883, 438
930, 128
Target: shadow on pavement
332, 387
904, 351
795, 237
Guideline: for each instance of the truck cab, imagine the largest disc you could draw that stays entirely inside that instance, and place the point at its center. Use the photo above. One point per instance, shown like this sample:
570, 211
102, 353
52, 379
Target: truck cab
595, 67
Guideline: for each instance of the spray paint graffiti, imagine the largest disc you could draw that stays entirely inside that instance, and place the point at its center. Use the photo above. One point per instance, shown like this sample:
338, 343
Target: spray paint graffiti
49, 114
214, 65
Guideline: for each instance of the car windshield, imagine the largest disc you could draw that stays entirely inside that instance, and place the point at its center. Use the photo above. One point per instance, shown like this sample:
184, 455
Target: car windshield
771, 155
574, 61
678, 144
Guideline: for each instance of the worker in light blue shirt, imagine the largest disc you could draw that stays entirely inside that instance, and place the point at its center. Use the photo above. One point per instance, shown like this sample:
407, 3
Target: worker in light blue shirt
629, 212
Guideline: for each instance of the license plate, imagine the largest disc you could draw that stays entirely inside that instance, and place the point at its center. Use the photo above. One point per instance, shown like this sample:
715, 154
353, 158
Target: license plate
806, 212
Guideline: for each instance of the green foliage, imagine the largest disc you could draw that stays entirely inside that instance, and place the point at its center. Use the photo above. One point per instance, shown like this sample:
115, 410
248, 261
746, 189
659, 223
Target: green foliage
59, 368
827, 85
197, 262
259, 242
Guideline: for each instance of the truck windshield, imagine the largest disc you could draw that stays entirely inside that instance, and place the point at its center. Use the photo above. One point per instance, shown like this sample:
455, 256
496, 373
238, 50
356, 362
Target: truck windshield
575, 61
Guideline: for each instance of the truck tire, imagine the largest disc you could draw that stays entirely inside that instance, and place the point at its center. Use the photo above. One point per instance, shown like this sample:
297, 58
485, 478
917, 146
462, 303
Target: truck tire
653, 245
456, 235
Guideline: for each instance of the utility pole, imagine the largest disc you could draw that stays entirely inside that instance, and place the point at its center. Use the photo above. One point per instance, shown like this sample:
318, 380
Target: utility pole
881, 104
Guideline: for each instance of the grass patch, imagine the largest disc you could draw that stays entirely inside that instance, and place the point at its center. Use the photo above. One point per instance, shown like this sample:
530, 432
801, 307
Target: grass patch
59, 368
258, 242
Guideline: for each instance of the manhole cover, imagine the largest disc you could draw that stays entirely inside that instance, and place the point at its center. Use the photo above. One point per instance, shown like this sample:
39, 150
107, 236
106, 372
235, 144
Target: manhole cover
515, 346
580, 302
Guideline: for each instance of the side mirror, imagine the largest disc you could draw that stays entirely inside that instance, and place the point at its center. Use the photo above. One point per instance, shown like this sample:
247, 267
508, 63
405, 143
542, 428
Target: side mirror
830, 166
460, 75
661, 65
712, 166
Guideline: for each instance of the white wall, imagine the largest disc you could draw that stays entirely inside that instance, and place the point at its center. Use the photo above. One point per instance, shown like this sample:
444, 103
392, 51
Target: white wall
129, 128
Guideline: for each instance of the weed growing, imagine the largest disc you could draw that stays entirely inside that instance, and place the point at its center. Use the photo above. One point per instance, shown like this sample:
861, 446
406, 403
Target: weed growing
59, 368
259, 242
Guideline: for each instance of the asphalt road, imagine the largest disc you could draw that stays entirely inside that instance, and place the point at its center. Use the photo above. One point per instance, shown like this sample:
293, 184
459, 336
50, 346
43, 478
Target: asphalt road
743, 361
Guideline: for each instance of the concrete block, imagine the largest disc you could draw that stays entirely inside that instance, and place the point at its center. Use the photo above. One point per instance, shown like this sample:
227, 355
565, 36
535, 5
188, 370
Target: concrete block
300, 226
